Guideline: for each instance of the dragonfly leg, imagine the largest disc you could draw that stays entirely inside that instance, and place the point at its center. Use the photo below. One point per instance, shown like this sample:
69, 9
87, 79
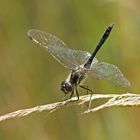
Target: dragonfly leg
72, 93
65, 99
88, 90
77, 94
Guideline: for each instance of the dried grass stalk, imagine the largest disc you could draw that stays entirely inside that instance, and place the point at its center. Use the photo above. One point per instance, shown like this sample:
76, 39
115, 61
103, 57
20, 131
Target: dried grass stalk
122, 100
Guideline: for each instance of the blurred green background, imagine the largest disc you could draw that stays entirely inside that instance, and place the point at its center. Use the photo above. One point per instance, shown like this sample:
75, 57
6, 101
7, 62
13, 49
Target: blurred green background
29, 76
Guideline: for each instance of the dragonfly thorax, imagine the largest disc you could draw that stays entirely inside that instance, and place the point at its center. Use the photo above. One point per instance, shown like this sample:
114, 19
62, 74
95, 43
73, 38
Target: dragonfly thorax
74, 79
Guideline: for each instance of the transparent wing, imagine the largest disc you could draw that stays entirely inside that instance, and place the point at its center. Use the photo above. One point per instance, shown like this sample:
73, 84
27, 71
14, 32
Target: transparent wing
109, 72
58, 49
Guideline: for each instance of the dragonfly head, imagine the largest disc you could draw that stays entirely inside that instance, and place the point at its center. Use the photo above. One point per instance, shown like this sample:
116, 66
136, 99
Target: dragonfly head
66, 87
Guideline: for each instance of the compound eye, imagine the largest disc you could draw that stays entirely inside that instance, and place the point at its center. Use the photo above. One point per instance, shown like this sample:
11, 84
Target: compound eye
69, 87
66, 87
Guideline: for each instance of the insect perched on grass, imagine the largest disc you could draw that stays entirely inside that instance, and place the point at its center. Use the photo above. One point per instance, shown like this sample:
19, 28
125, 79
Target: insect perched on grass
79, 62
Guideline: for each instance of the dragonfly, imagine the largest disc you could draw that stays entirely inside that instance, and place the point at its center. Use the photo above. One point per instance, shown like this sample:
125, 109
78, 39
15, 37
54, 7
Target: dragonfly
81, 63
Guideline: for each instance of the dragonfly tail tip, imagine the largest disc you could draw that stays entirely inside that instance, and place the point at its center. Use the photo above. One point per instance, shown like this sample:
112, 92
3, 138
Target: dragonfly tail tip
112, 25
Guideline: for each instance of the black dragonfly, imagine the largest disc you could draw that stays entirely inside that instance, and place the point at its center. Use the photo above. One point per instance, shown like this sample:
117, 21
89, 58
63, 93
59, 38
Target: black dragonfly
79, 62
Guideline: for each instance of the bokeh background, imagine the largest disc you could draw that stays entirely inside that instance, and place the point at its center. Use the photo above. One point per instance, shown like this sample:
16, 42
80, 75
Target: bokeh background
29, 76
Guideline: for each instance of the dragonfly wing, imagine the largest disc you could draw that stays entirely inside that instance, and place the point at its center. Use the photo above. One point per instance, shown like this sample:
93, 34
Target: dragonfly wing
109, 72
58, 49
68, 57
